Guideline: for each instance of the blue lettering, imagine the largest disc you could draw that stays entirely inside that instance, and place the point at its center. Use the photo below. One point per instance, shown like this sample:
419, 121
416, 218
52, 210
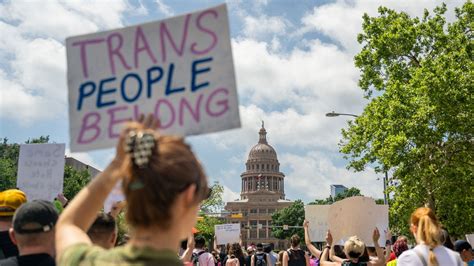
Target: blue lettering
102, 91
170, 90
195, 71
151, 80
83, 93
123, 87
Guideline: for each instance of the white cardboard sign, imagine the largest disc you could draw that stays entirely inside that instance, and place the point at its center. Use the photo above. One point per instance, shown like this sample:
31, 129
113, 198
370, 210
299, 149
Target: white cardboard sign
355, 216
179, 69
227, 233
41, 170
470, 239
317, 215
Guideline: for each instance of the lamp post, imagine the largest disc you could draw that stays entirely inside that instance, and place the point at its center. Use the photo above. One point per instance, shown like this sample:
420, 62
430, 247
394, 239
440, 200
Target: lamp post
385, 178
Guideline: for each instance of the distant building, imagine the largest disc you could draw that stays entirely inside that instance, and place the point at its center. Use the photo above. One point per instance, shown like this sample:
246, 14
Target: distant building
337, 189
262, 194
80, 166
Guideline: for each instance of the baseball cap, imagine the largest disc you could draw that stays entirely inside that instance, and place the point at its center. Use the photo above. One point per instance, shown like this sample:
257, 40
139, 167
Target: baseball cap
35, 217
10, 200
461, 245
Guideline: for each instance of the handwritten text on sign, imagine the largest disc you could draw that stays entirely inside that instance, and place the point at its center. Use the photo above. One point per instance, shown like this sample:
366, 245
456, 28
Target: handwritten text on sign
41, 170
180, 69
227, 233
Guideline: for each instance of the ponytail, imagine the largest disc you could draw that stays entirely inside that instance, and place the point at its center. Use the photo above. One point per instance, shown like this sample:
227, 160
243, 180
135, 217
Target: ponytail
428, 231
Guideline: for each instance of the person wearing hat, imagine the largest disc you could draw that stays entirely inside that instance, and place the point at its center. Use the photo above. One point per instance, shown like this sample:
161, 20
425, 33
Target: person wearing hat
10, 200
33, 233
465, 250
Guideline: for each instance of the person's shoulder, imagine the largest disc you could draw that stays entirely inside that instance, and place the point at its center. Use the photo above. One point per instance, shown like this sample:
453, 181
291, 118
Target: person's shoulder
407, 258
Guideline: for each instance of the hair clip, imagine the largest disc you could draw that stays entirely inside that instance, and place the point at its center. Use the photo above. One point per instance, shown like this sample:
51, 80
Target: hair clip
140, 147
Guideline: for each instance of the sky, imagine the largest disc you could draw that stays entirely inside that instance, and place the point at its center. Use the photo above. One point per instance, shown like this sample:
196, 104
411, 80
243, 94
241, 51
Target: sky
293, 62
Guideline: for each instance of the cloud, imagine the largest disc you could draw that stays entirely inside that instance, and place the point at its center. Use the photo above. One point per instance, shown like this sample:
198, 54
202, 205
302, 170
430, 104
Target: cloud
229, 195
164, 9
83, 157
263, 26
311, 175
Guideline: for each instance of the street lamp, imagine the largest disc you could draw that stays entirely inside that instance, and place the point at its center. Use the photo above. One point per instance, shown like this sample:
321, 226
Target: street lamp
385, 178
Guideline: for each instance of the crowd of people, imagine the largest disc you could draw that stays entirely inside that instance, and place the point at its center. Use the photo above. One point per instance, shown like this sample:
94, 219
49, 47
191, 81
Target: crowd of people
164, 183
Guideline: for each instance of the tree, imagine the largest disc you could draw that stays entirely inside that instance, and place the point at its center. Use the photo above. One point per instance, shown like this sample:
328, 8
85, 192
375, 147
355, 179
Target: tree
351, 192
292, 215
417, 74
205, 225
214, 203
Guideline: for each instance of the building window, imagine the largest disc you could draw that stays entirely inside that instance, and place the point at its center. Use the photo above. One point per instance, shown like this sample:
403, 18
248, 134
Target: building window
253, 222
258, 166
262, 234
268, 167
253, 211
253, 233
262, 211
270, 211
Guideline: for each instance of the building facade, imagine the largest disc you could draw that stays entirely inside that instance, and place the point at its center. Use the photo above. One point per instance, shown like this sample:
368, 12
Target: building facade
337, 189
262, 193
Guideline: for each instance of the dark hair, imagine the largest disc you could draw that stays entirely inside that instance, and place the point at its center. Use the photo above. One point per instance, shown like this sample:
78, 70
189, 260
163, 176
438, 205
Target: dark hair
199, 242
399, 247
339, 251
267, 249
445, 239
104, 224
151, 190
295, 240
236, 251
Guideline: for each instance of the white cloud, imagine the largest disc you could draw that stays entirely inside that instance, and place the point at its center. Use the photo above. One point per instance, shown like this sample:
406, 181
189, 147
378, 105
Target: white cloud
83, 157
229, 194
264, 26
164, 8
312, 174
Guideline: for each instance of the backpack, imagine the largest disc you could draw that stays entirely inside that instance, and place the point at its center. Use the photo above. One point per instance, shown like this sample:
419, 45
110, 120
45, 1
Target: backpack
260, 259
195, 257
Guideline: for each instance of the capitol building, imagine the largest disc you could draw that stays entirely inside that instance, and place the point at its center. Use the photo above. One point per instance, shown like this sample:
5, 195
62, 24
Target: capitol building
262, 193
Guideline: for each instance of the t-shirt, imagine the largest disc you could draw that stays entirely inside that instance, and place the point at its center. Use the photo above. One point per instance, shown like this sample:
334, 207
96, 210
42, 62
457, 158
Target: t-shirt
444, 256
205, 259
84, 254
6, 246
41, 259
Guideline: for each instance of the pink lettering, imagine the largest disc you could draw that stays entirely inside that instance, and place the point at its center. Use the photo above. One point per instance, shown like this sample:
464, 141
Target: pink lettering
140, 37
86, 126
114, 121
83, 51
195, 114
205, 30
158, 116
224, 104
115, 51
164, 32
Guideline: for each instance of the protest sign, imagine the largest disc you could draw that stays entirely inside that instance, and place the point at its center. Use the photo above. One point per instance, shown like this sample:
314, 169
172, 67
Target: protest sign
179, 69
41, 170
470, 239
317, 215
227, 233
357, 216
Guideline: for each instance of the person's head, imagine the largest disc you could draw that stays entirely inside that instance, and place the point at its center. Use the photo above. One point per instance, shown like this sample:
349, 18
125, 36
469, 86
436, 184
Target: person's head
399, 247
403, 238
354, 247
10, 201
236, 250
199, 242
446, 239
33, 227
103, 232
426, 229
464, 249
272, 246
267, 249
250, 250
339, 251
164, 182
260, 247
295, 240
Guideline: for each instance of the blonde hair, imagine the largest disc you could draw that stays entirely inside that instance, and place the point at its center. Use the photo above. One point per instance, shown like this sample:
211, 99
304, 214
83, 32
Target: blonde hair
354, 247
428, 230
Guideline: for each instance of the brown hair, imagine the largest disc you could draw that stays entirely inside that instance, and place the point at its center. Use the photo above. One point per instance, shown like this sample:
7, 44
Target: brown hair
428, 230
236, 251
151, 190
295, 240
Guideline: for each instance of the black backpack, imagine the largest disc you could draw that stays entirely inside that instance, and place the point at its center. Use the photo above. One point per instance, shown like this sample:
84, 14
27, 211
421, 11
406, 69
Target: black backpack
195, 257
260, 259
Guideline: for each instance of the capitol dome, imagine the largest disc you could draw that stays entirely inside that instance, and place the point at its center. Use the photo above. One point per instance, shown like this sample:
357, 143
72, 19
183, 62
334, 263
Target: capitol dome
262, 150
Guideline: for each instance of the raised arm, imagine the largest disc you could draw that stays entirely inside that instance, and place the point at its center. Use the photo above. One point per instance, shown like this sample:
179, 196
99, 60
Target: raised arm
214, 245
388, 245
324, 260
380, 258
187, 254
307, 240
81, 212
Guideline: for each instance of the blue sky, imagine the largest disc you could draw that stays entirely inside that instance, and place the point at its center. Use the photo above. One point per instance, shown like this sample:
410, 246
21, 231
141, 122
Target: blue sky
293, 61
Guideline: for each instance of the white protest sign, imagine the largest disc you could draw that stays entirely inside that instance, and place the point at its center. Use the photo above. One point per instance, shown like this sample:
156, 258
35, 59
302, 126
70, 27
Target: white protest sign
227, 233
179, 69
115, 195
317, 215
357, 216
41, 170
470, 239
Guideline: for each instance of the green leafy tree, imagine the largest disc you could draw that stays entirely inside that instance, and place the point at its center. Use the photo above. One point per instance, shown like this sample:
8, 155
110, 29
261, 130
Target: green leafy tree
214, 203
74, 181
205, 225
292, 215
418, 75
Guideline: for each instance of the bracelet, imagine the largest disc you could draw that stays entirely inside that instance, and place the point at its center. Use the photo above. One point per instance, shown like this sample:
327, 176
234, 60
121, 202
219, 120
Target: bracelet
388, 242
328, 246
